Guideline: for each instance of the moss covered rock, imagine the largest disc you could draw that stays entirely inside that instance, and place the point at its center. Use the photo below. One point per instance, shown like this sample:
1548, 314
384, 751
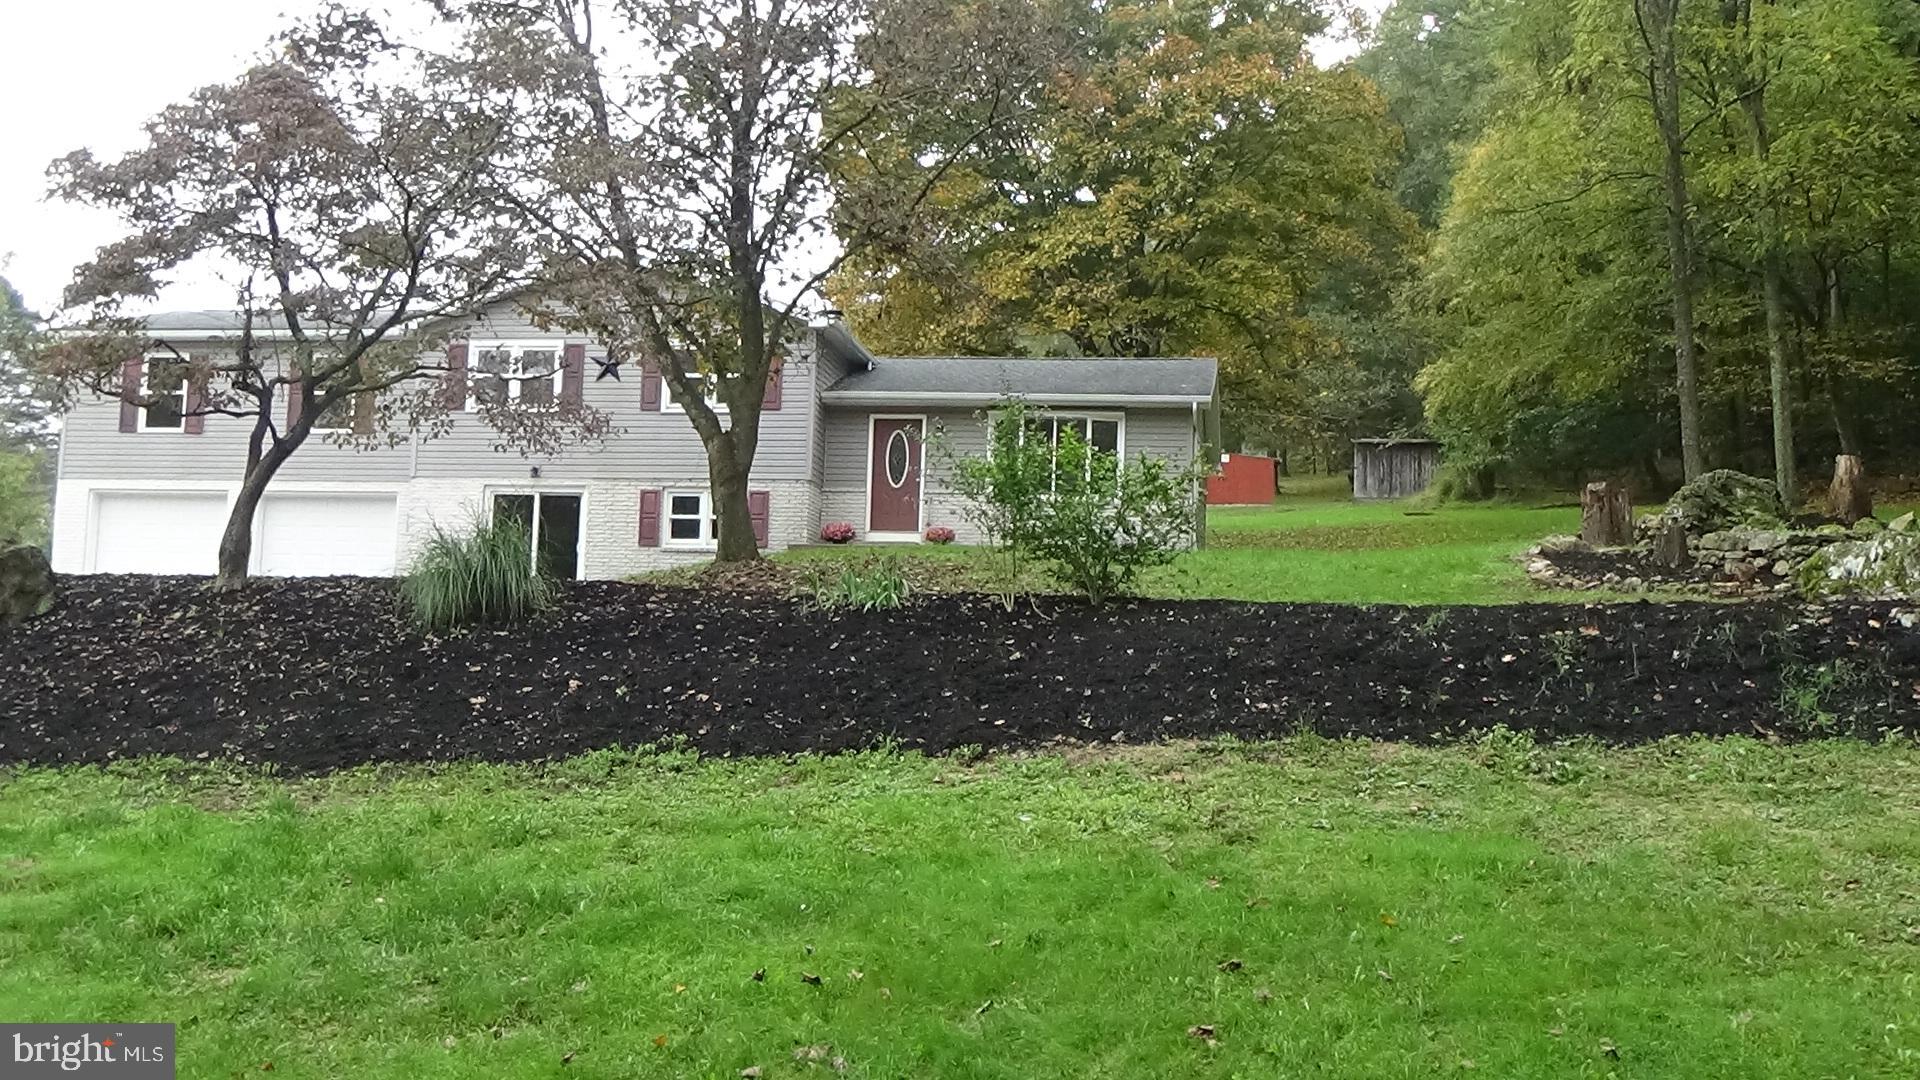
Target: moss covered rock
26, 583
1724, 499
1886, 566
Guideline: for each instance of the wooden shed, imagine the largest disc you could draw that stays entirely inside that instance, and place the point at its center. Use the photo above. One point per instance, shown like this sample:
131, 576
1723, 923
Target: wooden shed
1393, 468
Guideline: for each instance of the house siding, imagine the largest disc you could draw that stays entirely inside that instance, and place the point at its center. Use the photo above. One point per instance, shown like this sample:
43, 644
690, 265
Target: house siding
812, 459
1169, 434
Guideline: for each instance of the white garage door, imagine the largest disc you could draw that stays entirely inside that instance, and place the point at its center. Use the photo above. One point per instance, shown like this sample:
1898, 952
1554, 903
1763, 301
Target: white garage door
313, 534
151, 532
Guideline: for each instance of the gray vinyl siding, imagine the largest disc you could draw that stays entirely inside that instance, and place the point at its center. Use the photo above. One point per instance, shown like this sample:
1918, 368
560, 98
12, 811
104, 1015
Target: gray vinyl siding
643, 444
1161, 433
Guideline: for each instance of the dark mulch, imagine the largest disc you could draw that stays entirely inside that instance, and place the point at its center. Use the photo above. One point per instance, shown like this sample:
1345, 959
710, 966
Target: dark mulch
317, 674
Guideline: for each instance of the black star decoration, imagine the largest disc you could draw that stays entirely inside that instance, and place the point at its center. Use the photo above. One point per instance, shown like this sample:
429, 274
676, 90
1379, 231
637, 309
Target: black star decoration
609, 365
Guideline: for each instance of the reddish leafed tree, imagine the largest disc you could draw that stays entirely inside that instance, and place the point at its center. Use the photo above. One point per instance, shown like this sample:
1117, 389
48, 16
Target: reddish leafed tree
355, 193
675, 158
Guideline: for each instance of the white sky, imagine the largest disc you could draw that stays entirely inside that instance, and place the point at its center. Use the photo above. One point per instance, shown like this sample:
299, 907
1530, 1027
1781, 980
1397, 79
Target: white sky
87, 73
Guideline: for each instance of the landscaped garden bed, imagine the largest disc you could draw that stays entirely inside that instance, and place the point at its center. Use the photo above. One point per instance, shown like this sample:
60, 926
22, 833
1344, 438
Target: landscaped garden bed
316, 674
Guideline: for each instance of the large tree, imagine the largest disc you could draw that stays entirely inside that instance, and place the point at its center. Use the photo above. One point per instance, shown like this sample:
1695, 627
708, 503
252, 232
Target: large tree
1194, 184
355, 190
1553, 280
674, 159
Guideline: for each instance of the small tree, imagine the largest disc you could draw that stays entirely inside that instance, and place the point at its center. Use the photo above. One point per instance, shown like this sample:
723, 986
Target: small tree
1094, 520
361, 211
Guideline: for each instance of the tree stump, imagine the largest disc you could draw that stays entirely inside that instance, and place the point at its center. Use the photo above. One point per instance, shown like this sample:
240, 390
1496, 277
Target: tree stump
1670, 544
1606, 514
1848, 498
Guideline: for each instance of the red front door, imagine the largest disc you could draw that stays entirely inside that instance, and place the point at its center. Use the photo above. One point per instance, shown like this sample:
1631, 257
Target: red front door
893, 502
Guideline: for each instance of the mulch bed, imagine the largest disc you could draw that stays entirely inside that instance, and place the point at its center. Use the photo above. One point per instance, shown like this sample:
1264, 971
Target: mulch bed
312, 675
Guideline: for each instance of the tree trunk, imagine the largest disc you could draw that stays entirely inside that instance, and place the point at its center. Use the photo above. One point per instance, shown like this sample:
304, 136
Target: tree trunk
1781, 378
1848, 499
1606, 514
727, 484
1663, 79
1773, 288
236, 543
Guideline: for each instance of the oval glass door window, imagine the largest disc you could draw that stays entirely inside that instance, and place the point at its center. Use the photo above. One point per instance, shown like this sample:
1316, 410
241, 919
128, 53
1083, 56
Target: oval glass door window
899, 456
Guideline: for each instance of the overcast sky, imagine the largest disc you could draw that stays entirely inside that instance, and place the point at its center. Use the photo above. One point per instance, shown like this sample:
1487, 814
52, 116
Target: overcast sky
87, 73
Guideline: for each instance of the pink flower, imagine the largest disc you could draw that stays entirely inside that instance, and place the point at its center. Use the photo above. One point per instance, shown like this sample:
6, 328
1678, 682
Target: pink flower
939, 534
836, 532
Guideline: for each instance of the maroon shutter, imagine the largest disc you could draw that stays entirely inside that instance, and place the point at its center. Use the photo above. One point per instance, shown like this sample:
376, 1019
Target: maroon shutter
131, 372
573, 373
649, 388
293, 393
195, 397
758, 503
454, 385
650, 518
770, 400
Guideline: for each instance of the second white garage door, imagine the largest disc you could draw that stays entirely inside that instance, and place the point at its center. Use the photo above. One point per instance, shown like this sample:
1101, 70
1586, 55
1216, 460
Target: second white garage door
316, 534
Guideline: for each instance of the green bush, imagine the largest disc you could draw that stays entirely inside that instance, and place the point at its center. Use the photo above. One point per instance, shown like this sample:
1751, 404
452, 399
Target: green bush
1093, 520
482, 578
870, 585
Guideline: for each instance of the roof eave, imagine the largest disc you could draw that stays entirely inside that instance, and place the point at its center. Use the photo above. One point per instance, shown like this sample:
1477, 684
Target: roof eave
951, 398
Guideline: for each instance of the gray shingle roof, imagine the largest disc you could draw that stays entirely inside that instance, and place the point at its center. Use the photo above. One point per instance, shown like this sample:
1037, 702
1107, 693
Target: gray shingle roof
990, 377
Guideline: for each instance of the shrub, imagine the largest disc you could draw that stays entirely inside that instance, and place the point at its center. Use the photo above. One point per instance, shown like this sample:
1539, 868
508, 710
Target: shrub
870, 585
939, 534
482, 578
836, 532
1094, 521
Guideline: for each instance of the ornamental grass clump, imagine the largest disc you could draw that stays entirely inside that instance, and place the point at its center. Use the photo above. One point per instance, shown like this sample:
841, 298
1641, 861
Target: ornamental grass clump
483, 578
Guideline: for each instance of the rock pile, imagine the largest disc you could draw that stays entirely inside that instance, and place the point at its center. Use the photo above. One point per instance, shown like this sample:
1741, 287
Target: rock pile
26, 583
1728, 532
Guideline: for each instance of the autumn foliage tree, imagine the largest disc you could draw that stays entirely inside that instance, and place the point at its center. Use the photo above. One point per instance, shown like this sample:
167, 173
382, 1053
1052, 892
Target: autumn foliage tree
355, 193
1193, 183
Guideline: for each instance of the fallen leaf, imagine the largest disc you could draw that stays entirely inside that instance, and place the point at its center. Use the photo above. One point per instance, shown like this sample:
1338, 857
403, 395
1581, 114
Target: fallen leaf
856, 974
839, 1064
679, 988
1263, 995
984, 1006
567, 1058
659, 1040
1230, 966
759, 975
1383, 974
810, 978
1609, 1050
994, 944
1213, 883
1200, 1031
1258, 902
751, 1072
1388, 920
1456, 939
817, 1052
266, 1066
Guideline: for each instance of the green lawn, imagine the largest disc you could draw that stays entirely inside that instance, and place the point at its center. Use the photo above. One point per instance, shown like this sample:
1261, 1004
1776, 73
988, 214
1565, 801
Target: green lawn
1322, 546
1686, 910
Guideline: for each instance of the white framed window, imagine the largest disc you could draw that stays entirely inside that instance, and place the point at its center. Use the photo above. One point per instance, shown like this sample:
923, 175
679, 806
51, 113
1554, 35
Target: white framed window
1102, 431
163, 384
337, 418
528, 372
689, 520
712, 384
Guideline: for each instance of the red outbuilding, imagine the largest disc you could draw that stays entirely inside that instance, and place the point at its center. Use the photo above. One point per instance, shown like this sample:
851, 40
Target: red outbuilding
1243, 480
